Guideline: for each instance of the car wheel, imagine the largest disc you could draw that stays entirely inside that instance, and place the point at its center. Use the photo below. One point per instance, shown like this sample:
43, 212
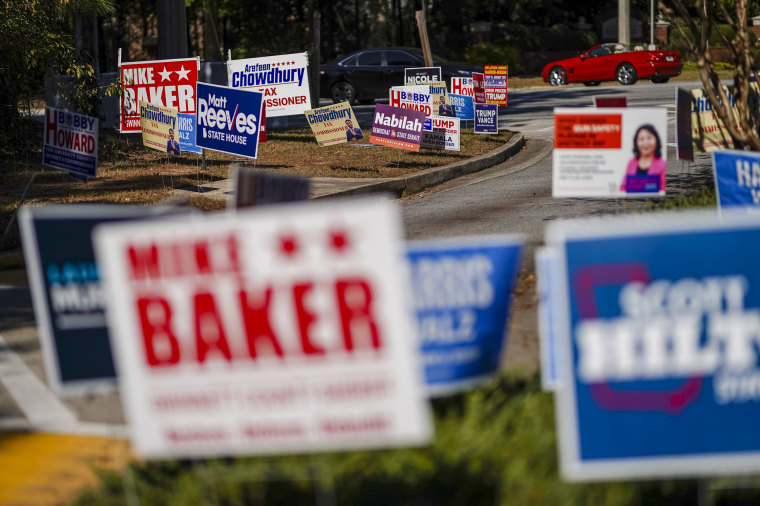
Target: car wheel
343, 92
592, 83
660, 79
626, 74
557, 76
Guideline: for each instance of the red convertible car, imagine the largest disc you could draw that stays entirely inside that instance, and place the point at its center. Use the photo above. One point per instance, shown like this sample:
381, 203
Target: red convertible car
608, 62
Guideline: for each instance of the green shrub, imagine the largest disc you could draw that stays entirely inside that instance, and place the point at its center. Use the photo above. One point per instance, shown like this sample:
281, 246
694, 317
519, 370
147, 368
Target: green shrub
490, 53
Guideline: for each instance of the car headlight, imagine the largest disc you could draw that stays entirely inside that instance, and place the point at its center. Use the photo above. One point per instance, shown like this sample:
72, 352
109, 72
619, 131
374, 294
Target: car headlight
321, 72
464, 72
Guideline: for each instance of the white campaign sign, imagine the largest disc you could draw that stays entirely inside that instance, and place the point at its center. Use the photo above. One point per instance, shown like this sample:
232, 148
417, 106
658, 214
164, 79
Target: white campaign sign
283, 79
269, 331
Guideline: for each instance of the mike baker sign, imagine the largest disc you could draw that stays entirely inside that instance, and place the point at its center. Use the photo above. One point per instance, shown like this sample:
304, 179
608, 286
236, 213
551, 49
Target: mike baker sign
228, 119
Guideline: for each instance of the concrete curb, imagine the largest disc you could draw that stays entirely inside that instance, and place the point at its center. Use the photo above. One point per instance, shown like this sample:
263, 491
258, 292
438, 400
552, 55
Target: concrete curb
413, 183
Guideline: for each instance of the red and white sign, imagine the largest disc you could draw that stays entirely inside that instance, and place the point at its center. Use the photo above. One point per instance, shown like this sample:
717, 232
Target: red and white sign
461, 86
478, 88
168, 83
271, 331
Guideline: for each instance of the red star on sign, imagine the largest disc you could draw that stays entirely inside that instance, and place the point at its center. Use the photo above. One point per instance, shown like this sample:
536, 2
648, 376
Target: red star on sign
338, 241
288, 245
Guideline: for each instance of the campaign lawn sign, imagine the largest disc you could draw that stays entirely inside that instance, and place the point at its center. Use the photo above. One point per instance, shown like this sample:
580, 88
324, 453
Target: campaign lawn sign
69, 304
546, 270
461, 290
416, 98
461, 97
660, 363
706, 130
159, 127
228, 119
449, 125
397, 127
334, 124
282, 79
186, 131
737, 180
257, 188
422, 75
496, 84
70, 142
684, 144
284, 329
166, 83
478, 88
609, 152
486, 119
434, 138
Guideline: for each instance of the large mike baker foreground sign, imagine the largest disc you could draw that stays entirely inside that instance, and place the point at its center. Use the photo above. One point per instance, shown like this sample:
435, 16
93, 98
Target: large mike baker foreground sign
271, 331
659, 324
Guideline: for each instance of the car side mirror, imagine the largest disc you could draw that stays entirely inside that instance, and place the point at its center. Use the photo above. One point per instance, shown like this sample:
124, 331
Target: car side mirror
583, 56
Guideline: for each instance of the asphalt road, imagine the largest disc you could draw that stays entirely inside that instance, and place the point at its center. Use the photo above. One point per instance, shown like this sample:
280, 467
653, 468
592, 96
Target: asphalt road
511, 198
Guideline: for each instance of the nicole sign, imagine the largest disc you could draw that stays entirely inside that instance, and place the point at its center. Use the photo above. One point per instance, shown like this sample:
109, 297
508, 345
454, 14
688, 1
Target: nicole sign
658, 326
282, 330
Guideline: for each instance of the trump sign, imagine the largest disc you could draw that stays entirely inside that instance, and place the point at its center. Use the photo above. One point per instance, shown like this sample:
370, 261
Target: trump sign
228, 119
281, 330
659, 321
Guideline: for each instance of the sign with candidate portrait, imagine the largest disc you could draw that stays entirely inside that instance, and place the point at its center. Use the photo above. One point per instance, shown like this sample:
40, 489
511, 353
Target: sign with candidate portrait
159, 128
334, 124
69, 303
284, 329
422, 75
496, 84
228, 119
282, 79
165, 83
397, 127
486, 119
609, 152
461, 290
660, 316
737, 180
70, 142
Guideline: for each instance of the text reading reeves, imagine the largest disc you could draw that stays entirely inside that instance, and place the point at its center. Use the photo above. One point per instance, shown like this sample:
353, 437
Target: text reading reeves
216, 115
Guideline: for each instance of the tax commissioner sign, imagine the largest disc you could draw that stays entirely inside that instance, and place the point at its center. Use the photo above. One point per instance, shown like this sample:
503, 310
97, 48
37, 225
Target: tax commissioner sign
659, 325
228, 119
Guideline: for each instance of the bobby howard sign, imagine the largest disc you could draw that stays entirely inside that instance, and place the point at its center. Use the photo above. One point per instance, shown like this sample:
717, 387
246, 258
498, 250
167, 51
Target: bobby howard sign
281, 330
416, 98
283, 79
70, 142
658, 334
228, 119
167, 83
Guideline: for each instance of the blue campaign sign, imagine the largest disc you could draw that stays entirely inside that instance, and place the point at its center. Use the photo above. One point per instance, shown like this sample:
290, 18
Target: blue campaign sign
68, 298
461, 291
463, 106
486, 119
546, 271
660, 364
737, 180
228, 119
186, 127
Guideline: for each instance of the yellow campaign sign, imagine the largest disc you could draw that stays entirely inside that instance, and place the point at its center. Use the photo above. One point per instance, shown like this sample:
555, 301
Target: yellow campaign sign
334, 124
441, 104
159, 126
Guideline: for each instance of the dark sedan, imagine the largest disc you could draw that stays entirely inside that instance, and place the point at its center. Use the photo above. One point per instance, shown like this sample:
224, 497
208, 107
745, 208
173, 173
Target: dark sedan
368, 74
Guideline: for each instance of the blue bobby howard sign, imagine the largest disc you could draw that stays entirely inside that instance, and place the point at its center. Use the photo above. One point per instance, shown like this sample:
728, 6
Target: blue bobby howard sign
463, 106
461, 293
228, 119
660, 330
737, 180
186, 128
